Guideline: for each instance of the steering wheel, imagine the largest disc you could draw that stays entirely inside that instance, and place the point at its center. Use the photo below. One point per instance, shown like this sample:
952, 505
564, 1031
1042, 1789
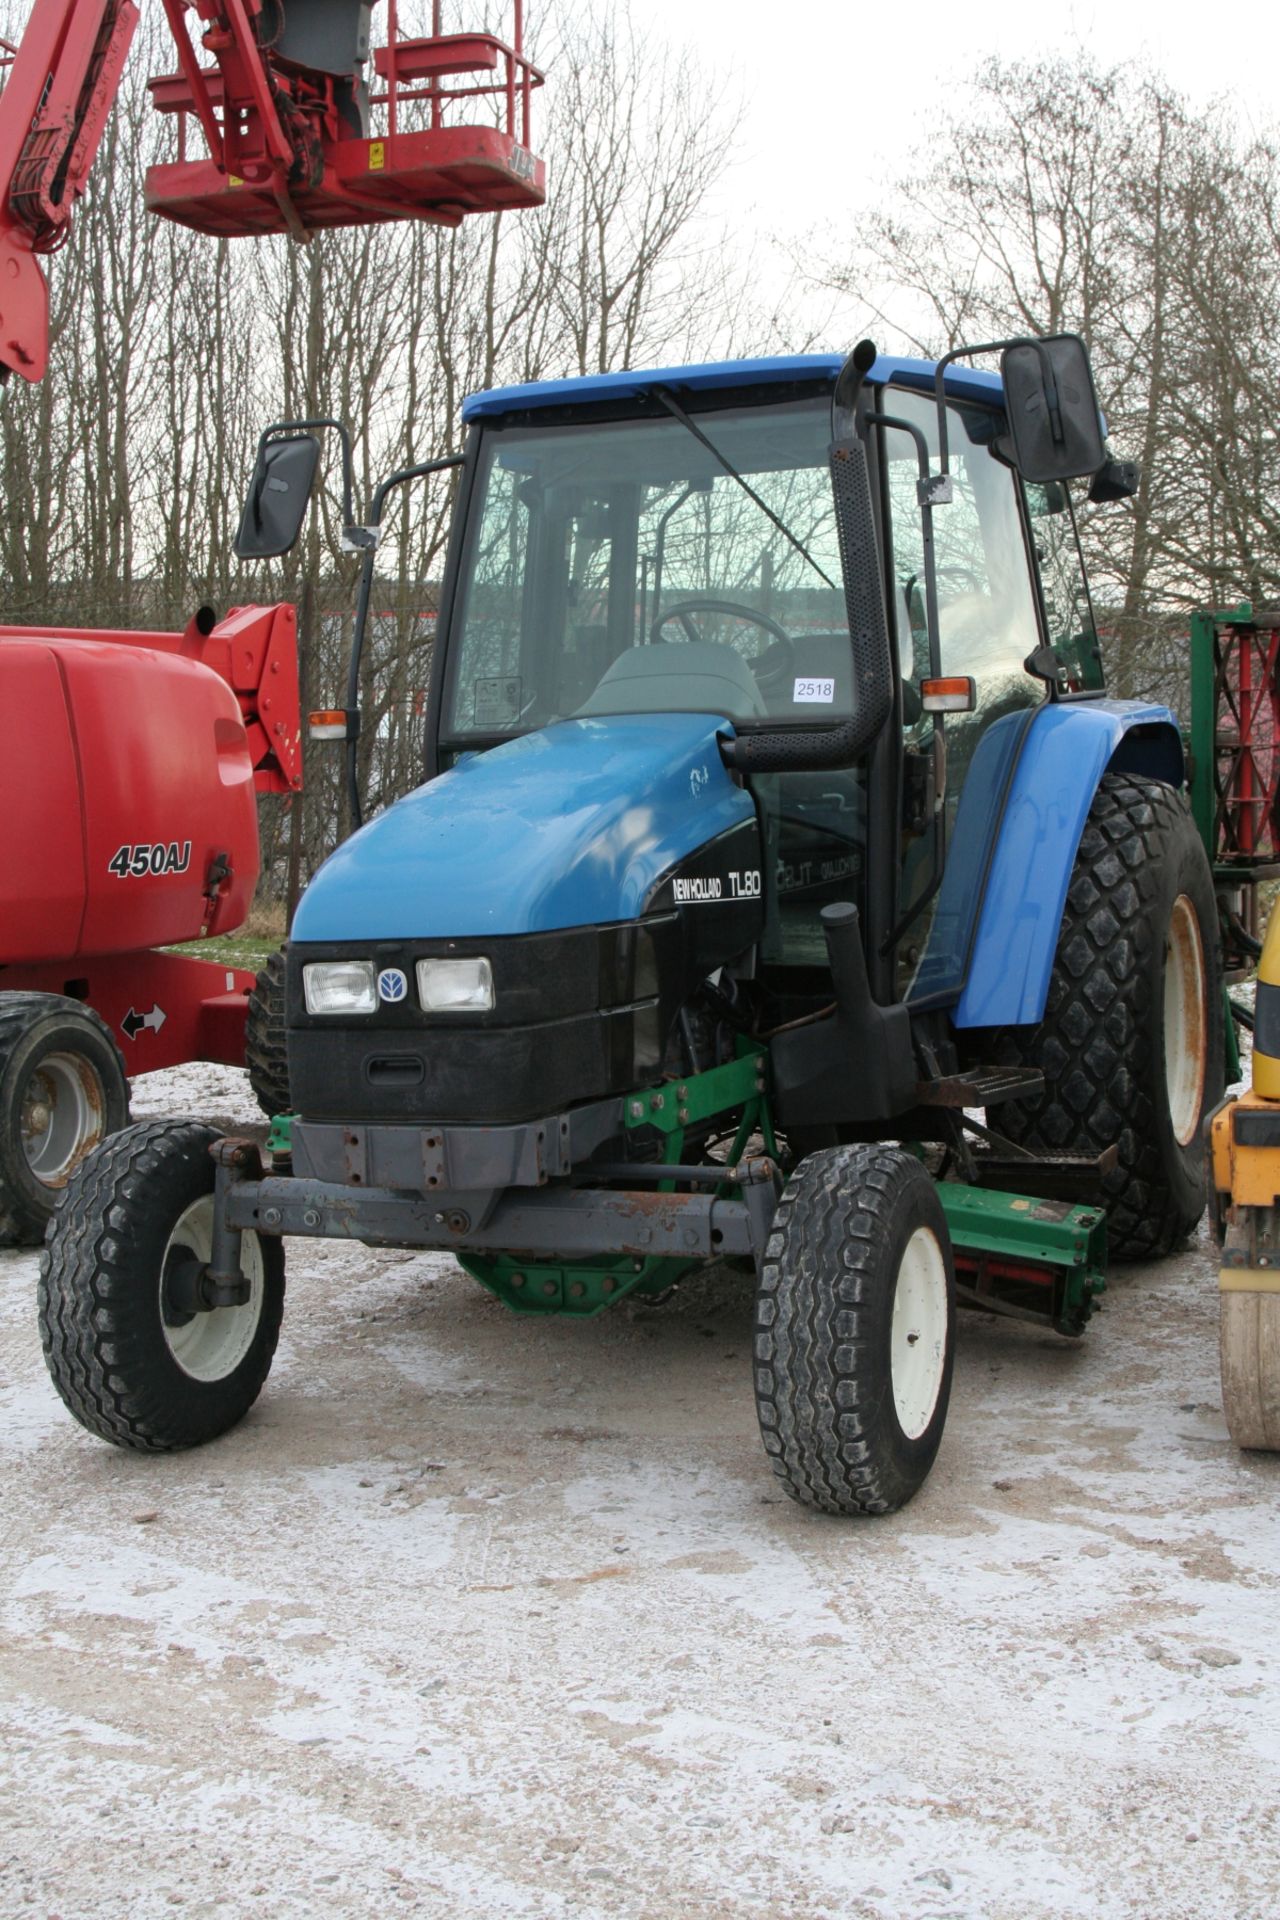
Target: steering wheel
775, 672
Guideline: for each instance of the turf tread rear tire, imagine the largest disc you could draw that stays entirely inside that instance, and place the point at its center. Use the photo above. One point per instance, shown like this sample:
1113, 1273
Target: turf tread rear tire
1099, 1045
824, 1393
266, 1052
25, 1216
98, 1295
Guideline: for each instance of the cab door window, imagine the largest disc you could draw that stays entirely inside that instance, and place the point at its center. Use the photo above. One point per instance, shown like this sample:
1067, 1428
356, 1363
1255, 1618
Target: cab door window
1068, 610
988, 625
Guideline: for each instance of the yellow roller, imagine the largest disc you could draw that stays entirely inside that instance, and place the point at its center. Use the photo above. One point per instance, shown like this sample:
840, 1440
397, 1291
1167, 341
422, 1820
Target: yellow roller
1245, 1172
1266, 1031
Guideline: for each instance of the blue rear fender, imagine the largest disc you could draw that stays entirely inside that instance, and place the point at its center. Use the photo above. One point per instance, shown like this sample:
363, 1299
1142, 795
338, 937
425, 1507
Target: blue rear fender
1018, 861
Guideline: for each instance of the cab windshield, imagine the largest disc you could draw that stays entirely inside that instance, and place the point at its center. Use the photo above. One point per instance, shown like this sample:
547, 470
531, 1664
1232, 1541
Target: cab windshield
618, 568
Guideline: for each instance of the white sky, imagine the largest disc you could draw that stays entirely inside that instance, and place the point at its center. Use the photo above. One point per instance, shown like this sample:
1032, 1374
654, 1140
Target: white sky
835, 97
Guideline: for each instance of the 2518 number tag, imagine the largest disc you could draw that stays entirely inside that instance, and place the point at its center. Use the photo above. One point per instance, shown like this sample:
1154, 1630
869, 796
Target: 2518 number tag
821, 691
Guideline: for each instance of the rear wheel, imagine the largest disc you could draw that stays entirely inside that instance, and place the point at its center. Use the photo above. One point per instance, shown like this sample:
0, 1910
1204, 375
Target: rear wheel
1131, 1043
855, 1330
1249, 1347
265, 1051
133, 1353
62, 1090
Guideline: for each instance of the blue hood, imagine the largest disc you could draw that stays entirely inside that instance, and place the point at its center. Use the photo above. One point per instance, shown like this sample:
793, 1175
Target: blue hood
570, 827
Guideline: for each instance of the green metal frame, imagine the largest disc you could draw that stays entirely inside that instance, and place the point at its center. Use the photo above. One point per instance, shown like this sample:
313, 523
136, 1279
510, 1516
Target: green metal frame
1200, 736
582, 1288
1012, 1230
998, 1232
1201, 742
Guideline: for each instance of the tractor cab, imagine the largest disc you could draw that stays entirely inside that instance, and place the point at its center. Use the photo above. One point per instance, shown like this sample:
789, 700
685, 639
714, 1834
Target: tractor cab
669, 543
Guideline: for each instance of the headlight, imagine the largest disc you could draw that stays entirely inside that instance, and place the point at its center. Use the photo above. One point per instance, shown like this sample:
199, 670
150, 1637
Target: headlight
455, 986
340, 986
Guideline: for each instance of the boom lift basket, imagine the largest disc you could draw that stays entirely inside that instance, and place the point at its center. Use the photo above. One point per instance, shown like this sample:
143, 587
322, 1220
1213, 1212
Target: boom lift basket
300, 143
288, 121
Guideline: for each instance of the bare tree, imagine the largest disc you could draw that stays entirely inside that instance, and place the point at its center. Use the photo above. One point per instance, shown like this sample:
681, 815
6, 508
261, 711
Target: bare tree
1064, 195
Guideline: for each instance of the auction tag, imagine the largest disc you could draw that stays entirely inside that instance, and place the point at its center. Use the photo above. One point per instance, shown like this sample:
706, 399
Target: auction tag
821, 691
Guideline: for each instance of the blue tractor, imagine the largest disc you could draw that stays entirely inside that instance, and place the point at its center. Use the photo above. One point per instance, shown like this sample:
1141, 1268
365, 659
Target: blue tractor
784, 889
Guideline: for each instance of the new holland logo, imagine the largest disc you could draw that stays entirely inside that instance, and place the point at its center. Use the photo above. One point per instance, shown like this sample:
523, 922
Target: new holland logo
392, 984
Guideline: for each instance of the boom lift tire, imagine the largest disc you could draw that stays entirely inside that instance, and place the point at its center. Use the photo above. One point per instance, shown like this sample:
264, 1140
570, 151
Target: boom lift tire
130, 1361
855, 1330
1131, 1043
62, 1089
1249, 1348
265, 1051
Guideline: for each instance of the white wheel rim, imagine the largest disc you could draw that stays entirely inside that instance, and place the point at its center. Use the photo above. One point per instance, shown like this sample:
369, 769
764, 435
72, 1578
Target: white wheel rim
64, 1114
918, 1336
211, 1345
1185, 1021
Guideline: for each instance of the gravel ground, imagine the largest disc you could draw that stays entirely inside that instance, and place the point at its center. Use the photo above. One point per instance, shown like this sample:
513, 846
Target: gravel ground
480, 1617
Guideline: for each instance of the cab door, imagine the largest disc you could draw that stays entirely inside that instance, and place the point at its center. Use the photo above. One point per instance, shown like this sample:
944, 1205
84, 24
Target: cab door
988, 623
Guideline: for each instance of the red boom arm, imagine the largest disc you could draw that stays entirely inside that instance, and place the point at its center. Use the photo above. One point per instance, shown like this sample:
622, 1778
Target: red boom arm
60, 88
285, 112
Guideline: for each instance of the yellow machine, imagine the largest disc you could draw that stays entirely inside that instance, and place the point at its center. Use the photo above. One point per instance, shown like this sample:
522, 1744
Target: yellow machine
1245, 1183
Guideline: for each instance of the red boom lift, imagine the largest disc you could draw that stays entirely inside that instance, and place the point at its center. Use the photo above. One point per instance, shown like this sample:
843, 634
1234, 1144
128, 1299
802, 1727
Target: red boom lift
131, 761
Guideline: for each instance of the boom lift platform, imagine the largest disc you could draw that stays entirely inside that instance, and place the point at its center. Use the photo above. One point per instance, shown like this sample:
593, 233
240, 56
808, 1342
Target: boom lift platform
132, 764
303, 129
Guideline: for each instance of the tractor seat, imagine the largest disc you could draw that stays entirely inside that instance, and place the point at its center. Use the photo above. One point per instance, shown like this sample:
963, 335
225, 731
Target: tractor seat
693, 676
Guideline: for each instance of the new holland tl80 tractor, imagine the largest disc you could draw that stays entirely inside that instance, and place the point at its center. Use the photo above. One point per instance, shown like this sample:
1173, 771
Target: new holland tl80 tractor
776, 822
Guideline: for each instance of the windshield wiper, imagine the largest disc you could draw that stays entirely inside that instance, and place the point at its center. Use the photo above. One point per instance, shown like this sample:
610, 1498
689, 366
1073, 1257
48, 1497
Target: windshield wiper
677, 412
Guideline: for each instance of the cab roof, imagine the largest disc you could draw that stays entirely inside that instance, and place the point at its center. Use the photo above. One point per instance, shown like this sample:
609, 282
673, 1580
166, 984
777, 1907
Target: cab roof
962, 382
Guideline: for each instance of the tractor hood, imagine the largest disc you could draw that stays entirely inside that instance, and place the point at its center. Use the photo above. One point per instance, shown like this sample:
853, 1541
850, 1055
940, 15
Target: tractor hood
568, 827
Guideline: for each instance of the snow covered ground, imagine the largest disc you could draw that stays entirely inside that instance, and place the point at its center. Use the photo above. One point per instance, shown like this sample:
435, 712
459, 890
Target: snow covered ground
480, 1617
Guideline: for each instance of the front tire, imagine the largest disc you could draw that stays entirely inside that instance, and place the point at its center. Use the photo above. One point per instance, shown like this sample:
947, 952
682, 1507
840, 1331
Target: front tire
855, 1330
266, 1053
1131, 1043
130, 1362
62, 1090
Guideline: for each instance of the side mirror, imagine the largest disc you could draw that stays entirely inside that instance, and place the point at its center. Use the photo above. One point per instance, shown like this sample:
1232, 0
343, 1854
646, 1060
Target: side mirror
278, 496
1052, 408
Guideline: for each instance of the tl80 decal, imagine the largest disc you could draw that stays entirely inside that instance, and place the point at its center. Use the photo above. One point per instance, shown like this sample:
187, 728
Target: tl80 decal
150, 857
695, 892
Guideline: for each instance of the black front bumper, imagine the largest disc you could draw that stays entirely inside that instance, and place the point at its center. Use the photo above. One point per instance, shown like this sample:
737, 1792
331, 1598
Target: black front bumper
577, 1015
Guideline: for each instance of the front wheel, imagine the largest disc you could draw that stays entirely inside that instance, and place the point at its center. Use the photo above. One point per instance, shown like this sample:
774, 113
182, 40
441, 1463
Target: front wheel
855, 1330
134, 1354
266, 1053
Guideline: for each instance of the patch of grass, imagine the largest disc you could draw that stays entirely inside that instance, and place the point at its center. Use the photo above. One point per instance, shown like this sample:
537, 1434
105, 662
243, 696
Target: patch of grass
250, 946
230, 950
267, 921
